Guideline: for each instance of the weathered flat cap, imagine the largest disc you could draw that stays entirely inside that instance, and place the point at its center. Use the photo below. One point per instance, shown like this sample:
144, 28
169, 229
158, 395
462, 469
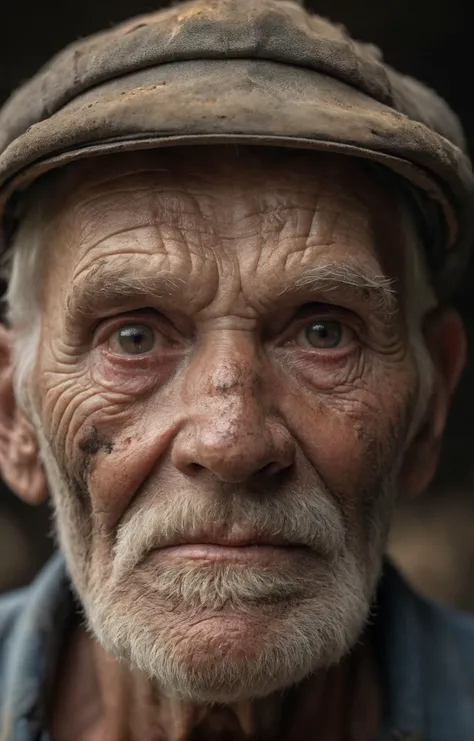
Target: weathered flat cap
265, 72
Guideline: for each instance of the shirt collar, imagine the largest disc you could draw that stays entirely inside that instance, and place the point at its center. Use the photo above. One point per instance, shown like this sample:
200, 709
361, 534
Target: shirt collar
32, 652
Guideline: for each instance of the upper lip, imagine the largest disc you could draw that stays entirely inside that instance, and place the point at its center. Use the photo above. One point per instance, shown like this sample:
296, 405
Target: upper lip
231, 540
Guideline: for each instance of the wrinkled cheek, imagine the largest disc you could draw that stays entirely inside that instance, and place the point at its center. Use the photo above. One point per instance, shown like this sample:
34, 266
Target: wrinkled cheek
106, 444
349, 452
118, 475
355, 449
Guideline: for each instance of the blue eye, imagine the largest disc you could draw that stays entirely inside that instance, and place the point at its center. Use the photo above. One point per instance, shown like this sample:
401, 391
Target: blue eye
135, 339
324, 334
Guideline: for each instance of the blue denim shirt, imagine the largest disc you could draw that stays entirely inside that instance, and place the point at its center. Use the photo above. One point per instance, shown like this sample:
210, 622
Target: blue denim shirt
426, 652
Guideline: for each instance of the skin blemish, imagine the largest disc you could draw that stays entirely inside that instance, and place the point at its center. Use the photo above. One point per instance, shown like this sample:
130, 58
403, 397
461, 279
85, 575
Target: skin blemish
359, 430
93, 443
90, 444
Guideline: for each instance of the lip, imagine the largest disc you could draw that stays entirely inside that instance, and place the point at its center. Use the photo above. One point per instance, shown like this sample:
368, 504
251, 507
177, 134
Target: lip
235, 540
230, 534
257, 553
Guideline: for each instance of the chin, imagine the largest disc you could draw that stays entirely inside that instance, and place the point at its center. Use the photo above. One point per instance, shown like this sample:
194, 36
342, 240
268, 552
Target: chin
228, 636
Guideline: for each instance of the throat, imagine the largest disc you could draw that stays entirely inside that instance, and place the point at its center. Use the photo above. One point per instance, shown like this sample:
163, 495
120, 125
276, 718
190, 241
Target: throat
98, 699
237, 722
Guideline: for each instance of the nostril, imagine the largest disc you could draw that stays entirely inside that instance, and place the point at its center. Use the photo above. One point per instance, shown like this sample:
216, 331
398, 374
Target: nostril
273, 468
193, 469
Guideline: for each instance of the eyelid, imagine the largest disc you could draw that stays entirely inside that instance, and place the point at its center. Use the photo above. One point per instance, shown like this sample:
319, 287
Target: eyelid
327, 311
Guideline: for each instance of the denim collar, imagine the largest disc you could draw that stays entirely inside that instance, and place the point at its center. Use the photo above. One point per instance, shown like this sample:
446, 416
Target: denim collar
31, 653
427, 652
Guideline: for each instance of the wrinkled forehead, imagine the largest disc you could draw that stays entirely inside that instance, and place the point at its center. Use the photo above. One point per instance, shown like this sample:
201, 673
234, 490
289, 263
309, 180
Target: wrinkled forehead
220, 189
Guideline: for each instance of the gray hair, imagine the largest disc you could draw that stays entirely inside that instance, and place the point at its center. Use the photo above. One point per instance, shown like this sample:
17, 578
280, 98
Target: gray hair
23, 297
23, 300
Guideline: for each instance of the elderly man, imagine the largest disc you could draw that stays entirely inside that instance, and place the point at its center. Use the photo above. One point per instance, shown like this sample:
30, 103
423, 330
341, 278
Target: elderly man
228, 352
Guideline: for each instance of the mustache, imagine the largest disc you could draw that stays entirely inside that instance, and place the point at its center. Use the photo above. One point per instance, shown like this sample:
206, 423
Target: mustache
297, 517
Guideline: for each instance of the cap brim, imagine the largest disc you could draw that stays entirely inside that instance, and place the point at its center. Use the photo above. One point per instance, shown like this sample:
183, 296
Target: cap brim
235, 100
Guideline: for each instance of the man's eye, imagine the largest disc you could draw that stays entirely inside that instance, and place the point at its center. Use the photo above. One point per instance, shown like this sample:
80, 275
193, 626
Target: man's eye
133, 339
326, 334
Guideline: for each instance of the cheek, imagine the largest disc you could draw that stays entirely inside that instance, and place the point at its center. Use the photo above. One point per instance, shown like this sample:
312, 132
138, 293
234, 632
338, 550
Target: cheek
116, 477
106, 443
353, 438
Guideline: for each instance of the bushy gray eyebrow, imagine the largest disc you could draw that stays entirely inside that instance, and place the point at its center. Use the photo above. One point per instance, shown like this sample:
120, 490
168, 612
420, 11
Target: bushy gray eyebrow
331, 276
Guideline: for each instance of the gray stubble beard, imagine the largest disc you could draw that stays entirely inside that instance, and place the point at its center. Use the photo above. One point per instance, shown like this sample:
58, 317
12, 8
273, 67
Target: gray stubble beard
290, 624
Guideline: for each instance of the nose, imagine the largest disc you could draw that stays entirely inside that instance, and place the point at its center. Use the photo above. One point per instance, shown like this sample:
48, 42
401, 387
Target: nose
230, 430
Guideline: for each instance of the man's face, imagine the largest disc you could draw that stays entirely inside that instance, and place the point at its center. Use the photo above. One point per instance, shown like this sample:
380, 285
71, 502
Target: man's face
223, 390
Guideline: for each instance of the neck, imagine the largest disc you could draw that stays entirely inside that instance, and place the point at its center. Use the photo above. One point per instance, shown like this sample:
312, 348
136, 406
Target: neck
98, 699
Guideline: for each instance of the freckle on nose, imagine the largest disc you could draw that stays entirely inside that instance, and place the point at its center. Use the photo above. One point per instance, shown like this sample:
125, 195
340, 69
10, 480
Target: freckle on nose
226, 386
230, 380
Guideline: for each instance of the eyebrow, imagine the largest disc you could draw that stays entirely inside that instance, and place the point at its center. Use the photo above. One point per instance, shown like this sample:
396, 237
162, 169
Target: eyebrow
331, 277
105, 285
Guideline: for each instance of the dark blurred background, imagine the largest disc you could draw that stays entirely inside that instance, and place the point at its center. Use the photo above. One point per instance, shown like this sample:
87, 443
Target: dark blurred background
432, 538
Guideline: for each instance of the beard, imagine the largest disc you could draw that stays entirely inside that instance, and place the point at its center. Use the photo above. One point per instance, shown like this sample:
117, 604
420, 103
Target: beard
231, 631
223, 632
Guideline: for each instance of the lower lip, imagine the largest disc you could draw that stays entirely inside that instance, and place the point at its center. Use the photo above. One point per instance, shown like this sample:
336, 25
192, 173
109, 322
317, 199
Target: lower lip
261, 554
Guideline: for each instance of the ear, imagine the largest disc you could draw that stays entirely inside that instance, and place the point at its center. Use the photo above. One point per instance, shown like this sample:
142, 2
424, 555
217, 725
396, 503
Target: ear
20, 465
446, 342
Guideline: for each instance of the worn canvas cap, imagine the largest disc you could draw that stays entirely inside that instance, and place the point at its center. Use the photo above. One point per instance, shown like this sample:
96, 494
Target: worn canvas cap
266, 73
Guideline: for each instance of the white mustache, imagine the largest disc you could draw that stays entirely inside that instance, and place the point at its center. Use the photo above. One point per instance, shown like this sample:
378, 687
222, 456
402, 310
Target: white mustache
297, 517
